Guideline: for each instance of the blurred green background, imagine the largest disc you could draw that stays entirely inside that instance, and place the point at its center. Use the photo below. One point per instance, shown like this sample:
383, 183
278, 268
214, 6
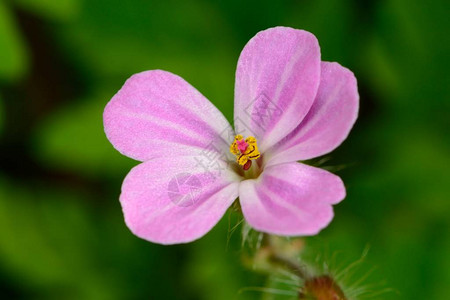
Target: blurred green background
62, 234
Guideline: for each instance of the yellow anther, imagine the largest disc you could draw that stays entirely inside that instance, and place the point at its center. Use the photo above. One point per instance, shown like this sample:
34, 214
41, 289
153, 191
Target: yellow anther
244, 150
234, 147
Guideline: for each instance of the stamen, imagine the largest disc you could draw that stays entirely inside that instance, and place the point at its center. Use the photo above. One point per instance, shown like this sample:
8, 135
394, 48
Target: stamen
245, 150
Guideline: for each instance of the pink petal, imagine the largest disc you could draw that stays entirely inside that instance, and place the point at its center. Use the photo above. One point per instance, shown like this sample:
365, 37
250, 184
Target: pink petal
329, 121
176, 200
158, 114
291, 199
277, 77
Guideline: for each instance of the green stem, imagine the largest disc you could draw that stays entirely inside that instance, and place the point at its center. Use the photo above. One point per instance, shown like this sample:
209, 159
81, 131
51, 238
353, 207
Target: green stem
282, 260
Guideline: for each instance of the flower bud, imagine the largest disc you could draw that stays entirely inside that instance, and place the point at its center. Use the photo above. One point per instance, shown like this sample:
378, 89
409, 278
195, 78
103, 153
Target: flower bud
321, 288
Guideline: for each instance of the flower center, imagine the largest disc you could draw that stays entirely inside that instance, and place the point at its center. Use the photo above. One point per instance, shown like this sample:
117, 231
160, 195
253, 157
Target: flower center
245, 150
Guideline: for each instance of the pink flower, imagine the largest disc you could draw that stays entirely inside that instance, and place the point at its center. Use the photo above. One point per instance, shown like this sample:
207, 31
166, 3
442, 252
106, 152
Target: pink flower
289, 107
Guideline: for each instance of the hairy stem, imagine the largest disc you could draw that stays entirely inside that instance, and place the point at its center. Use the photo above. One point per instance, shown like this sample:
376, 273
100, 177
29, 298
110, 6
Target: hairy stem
280, 259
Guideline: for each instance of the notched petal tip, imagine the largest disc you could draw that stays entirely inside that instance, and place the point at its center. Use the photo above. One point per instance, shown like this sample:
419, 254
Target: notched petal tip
283, 30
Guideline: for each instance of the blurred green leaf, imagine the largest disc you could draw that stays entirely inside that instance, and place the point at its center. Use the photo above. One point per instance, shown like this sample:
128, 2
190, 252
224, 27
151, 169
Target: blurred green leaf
54, 244
73, 139
2, 115
59, 10
13, 53
45, 241
414, 43
115, 41
215, 268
